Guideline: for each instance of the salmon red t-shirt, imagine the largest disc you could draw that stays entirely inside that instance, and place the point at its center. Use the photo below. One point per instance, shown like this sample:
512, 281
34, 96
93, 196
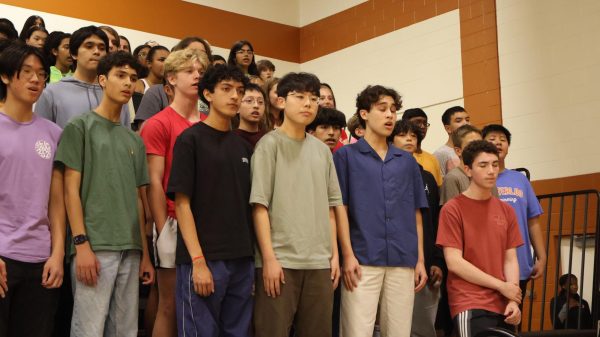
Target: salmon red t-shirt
159, 134
483, 230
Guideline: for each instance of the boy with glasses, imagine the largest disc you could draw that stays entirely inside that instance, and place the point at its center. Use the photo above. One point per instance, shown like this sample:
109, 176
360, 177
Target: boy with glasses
424, 158
294, 192
251, 113
32, 214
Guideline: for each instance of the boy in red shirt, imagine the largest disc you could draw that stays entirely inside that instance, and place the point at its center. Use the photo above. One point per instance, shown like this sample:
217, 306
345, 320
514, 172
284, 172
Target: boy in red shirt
479, 235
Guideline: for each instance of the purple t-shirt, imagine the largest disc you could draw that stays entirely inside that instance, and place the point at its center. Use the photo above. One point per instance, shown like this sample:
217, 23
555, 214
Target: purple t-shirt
26, 159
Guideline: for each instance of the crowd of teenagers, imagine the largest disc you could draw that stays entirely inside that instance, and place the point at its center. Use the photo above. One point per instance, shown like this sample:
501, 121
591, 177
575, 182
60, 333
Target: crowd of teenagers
242, 205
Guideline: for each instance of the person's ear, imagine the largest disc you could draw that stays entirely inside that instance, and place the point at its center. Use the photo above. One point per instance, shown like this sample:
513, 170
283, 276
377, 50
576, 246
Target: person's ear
448, 130
207, 94
4, 79
55, 52
280, 102
363, 114
102, 80
467, 170
458, 151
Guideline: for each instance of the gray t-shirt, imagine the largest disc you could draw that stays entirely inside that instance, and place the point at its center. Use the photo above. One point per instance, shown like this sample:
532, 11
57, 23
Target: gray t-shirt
297, 181
443, 154
455, 182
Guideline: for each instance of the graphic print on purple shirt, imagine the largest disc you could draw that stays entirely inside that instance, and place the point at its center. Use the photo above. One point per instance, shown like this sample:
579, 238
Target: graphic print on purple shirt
26, 160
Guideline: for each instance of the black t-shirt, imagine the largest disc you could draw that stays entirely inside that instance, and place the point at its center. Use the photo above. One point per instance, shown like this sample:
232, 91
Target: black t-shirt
212, 167
250, 137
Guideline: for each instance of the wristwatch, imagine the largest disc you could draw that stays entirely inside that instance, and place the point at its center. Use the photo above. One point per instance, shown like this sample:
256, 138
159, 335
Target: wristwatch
79, 239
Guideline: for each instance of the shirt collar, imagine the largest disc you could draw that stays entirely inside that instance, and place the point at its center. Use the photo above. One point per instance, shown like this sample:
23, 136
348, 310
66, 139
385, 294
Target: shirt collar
392, 152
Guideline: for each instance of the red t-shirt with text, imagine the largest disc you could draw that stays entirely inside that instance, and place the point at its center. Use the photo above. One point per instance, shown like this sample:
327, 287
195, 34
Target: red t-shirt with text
483, 230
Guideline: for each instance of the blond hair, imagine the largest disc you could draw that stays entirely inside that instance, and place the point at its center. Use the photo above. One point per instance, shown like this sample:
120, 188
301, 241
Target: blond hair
178, 60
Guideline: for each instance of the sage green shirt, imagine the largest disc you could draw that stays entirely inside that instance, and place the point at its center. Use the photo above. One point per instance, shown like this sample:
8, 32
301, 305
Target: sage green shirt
112, 162
297, 181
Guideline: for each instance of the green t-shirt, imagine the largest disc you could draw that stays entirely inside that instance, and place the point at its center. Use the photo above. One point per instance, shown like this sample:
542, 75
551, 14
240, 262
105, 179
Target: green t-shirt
56, 75
112, 162
297, 181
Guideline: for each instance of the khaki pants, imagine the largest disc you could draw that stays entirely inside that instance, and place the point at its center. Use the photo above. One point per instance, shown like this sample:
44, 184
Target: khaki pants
306, 301
395, 287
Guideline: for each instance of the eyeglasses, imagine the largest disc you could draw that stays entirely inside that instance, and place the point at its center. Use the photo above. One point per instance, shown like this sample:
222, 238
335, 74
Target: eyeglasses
252, 101
314, 100
244, 51
422, 124
27, 73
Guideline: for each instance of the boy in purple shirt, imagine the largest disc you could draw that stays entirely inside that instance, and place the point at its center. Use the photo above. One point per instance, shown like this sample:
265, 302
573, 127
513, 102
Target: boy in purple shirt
32, 215
383, 247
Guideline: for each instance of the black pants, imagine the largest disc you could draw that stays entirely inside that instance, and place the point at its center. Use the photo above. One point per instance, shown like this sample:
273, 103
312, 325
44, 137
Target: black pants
28, 308
471, 322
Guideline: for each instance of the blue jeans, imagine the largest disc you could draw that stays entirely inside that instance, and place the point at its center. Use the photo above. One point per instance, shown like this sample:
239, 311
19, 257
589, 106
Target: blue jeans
227, 312
111, 307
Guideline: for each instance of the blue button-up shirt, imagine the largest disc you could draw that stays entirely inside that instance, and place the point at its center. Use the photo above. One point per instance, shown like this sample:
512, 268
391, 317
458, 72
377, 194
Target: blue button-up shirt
382, 197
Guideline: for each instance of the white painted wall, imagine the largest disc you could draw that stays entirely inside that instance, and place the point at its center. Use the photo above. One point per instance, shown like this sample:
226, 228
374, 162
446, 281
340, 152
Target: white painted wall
549, 53
66, 24
422, 62
296, 13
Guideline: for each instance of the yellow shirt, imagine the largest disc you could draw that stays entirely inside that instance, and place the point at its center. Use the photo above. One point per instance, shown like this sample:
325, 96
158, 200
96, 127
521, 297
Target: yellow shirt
430, 164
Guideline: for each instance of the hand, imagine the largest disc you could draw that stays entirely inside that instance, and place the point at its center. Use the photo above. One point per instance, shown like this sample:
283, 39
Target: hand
147, 273
420, 276
511, 291
352, 272
272, 277
87, 266
435, 276
512, 313
52, 276
3, 279
538, 269
335, 270
202, 277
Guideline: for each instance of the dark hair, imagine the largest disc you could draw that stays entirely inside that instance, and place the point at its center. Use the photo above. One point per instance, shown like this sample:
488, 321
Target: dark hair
217, 58
186, 41
32, 30
255, 87
139, 48
265, 65
475, 148
231, 60
328, 87
8, 28
298, 82
404, 126
30, 22
114, 33
11, 62
219, 73
461, 132
496, 128
327, 116
122, 37
82, 34
565, 280
119, 58
53, 42
370, 95
447, 115
412, 113
153, 51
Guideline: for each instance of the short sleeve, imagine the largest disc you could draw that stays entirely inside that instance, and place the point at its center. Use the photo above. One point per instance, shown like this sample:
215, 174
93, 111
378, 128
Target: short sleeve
450, 229
183, 169
141, 165
534, 209
155, 138
514, 238
449, 190
333, 185
263, 171
71, 147
151, 104
340, 159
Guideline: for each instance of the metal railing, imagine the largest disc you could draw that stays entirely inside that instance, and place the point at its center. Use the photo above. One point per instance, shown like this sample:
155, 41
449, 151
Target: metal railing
567, 230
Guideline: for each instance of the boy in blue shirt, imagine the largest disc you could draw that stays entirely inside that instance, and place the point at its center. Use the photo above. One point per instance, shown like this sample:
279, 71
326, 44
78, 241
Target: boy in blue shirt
382, 247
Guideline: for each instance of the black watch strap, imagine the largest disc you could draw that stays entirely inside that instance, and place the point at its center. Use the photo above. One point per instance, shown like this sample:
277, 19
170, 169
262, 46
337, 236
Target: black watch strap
79, 239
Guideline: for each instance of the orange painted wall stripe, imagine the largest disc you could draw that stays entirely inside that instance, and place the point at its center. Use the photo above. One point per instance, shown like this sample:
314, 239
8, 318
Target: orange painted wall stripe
177, 19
